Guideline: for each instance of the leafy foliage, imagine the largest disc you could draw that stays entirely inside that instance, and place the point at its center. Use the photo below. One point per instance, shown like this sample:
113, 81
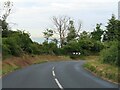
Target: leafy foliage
49, 48
110, 54
72, 33
17, 43
113, 29
96, 34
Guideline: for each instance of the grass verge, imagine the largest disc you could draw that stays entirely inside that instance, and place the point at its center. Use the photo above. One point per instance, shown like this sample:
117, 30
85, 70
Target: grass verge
105, 71
15, 63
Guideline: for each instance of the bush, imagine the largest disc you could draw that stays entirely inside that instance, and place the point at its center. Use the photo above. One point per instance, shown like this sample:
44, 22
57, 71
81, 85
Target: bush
5, 51
15, 49
97, 47
110, 54
89, 46
85, 46
16, 43
35, 48
50, 48
71, 47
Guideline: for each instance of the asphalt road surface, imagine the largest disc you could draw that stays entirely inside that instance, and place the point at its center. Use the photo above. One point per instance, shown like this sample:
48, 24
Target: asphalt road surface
64, 74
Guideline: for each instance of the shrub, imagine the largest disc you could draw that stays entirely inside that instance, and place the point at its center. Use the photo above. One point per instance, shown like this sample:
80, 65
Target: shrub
15, 49
97, 47
35, 48
89, 46
5, 51
50, 48
110, 55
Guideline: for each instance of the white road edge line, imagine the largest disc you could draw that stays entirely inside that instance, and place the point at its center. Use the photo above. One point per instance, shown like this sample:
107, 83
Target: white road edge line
56, 80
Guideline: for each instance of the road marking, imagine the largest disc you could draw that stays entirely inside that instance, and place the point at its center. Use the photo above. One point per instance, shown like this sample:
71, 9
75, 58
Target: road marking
56, 80
53, 68
53, 73
58, 83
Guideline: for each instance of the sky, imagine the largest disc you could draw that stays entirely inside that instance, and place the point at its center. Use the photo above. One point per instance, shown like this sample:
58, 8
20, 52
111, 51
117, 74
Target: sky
35, 16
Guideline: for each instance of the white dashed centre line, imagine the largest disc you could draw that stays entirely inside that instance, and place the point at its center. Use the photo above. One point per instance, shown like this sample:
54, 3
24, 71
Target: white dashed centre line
53, 73
56, 80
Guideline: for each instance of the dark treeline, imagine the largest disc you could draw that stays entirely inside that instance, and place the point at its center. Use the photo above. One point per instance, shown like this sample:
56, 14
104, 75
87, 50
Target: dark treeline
98, 42
103, 42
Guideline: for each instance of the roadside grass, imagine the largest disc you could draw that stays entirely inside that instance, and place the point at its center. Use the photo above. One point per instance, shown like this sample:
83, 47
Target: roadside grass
89, 57
15, 63
105, 71
9, 68
82, 57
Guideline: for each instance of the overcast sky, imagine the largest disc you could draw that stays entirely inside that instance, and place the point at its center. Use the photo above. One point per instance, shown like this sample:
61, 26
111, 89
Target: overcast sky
35, 16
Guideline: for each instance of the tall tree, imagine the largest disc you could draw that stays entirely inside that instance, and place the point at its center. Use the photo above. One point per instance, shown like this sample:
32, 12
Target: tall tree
113, 28
61, 24
7, 7
118, 30
97, 33
72, 32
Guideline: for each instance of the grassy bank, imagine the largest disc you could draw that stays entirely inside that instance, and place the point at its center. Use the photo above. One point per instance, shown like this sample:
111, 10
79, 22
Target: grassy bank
15, 63
105, 71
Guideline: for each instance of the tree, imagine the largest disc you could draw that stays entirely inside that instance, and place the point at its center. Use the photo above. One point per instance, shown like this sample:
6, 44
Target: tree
112, 29
4, 25
79, 28
61, 24
84, 35
47, 34
97, 33
55, 41
118, 30
7, 7
49, 48
72, 46
0, 25
72, 33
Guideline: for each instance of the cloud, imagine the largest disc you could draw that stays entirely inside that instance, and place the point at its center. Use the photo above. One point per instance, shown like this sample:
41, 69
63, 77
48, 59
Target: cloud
34, 15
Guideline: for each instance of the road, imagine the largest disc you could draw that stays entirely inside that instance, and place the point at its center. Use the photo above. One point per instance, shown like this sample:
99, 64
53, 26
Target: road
64, 74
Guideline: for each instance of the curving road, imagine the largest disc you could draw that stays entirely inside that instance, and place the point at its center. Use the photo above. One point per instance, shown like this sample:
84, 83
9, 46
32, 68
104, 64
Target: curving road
65, 74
